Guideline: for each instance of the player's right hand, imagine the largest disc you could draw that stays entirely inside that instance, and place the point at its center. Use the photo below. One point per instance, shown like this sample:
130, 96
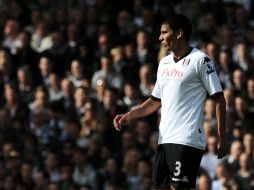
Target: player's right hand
118, 121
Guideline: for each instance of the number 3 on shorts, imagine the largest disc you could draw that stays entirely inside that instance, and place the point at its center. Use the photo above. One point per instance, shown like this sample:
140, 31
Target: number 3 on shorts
177, 168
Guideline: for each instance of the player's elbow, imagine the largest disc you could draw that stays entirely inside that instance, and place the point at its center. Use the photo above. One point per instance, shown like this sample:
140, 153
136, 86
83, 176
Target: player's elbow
221, 101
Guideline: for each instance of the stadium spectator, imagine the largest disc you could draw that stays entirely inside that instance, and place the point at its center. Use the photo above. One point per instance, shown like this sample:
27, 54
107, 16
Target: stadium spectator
246, 173
222, 177
51, 166
204, 182
54, 88
25, 84
144, 51
239, 82
83, 172
76, 75
41, 39
7, 70
210, 113
107, 72
248, 143
147, 83
243, 58
45, 66
225, 68
242, 115
209, 160
131, 97
11, 32
250, 94
232, 159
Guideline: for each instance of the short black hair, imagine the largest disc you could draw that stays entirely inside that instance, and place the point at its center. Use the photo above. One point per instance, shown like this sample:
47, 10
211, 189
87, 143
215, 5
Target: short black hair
178, 21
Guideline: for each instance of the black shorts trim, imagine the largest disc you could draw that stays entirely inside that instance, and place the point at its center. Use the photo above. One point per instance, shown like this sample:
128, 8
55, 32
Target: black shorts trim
176, 165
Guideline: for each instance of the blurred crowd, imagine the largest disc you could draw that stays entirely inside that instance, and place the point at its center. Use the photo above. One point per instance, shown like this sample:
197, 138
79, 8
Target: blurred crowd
67, 67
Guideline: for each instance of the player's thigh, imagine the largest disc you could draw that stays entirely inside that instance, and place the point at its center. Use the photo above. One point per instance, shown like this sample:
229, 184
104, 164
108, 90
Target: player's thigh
183, 162
161, 175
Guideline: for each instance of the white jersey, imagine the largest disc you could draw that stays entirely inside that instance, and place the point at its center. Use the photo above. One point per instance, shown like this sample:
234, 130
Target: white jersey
182, 88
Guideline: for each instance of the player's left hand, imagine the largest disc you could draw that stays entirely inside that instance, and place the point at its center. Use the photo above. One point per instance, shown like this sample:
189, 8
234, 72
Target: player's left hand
222, 147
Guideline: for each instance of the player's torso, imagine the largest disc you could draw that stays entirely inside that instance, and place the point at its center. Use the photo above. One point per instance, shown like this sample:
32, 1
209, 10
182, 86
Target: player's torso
177, 78
182, 94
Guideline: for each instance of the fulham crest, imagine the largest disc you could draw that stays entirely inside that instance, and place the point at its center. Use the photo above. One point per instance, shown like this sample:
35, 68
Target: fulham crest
186, 62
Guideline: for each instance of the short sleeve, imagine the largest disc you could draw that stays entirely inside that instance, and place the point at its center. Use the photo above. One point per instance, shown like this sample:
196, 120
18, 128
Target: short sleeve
156, 91
209, 76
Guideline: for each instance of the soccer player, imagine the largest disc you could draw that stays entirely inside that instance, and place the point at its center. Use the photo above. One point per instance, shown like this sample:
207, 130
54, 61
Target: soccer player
184, 78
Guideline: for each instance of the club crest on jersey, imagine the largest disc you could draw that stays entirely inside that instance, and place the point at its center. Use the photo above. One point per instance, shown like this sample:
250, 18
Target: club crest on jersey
186, 62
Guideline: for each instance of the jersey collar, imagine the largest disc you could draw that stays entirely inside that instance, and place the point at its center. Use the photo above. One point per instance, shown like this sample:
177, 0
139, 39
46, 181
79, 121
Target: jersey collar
187, 53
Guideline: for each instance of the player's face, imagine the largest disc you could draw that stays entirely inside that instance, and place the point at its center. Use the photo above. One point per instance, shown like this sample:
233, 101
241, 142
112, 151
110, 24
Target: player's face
167, 37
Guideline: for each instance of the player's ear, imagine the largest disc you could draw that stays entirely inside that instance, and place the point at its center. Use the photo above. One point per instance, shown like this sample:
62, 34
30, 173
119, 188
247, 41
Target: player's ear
179, 34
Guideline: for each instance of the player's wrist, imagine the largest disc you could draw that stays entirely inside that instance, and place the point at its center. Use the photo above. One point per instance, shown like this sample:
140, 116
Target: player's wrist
127, 116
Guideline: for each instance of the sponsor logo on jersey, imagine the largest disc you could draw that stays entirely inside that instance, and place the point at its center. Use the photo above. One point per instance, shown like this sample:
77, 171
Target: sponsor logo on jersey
184, 179
206, 60
186, 62
171, 73
209, 68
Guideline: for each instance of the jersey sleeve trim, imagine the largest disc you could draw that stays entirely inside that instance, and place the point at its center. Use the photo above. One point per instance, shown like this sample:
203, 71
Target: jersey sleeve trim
216, 95
156, 99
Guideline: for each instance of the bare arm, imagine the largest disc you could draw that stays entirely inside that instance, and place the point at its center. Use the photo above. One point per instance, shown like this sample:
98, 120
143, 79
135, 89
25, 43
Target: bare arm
221, 116
222, 129
146, 108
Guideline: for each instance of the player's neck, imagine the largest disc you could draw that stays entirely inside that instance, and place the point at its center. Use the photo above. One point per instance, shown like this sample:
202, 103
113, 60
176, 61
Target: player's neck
181, 51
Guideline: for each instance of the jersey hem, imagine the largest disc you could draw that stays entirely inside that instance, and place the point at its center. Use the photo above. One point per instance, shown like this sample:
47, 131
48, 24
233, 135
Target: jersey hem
185, 144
